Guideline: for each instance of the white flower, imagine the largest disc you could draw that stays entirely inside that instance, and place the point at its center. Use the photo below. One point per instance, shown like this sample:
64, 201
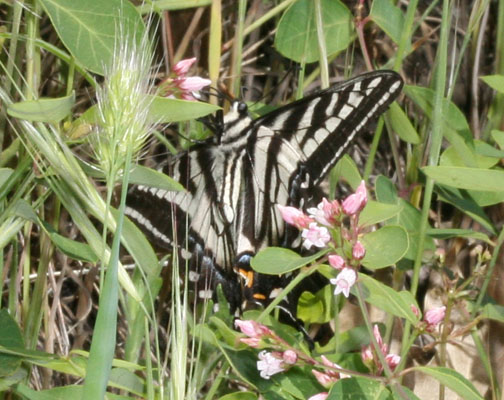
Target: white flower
344, 281
315, 235
326, 212
268, 365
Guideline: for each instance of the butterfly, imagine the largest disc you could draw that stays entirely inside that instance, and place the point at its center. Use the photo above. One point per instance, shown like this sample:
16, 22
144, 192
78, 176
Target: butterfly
235, 179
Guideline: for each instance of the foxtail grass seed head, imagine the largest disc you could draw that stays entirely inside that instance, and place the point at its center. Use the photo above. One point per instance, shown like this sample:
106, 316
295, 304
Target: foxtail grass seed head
123, 104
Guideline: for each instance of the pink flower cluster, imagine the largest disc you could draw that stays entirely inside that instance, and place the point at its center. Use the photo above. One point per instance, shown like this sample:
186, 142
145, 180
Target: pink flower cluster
372, 361
270, 363
178, 84
316, 228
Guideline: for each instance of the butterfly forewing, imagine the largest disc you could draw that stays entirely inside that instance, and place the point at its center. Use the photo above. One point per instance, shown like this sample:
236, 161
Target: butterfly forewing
321, 126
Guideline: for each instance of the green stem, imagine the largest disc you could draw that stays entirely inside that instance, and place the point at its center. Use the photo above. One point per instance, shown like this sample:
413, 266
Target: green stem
103, 342
270, 14
319, 24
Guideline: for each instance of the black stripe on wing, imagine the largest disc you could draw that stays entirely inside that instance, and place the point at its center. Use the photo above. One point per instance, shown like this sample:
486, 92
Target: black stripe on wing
321, 126
191, 219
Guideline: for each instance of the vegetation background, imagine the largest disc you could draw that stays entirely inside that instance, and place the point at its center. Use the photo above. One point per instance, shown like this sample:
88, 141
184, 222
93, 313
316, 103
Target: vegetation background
77, 113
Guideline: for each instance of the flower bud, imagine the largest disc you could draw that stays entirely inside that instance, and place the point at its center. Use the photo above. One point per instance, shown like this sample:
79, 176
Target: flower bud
289, 356
358, 251
336, 261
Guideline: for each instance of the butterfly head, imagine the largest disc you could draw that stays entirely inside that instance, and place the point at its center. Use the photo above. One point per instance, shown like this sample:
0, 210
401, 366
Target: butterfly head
236, 122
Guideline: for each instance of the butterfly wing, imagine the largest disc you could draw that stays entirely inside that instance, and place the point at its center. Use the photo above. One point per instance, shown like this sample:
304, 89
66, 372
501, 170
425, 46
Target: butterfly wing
292, 149
193, 220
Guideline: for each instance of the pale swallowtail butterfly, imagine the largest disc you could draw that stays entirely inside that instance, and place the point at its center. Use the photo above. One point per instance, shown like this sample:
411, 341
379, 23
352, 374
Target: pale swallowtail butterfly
235, 179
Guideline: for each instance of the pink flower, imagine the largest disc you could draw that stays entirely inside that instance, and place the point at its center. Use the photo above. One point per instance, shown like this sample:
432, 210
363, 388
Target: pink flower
330, 364
268, 365
323, 378
289, 356
329, 376
344, 281
358, 251
355, 202
315, 235
336, 261
415, 310
182, 67
326, 212
319, 396
177, 84
392, 360
434, 317
192, 83
295, 217
252, 329
368, 356
379, 340
252, 342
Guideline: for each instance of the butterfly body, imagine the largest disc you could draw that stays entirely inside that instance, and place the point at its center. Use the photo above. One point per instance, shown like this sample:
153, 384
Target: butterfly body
235, 180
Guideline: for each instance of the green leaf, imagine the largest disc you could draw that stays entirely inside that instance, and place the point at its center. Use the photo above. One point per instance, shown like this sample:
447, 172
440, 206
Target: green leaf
164, 110
170, 5
344, 169
485, 150
456, 129
89, 28
376, 212
315, 307
141, 175
239, 396
349, 341
385, 190
401, 123
388, 17
277, 260
498, 136
424, 98
73, 249
485, 199
496, 82
359, 388
10, 338
464, 201
467, 178
409, 217
296, 36
24, 210
493, 311
59, 393
7, 381
5, 174
384, 247
125, 379
466, 233
387, 299
43, 109
451, 158
298, 382
453, 380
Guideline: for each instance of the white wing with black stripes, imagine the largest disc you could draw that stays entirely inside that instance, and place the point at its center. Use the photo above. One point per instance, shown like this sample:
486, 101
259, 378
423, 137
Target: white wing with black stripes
234, 180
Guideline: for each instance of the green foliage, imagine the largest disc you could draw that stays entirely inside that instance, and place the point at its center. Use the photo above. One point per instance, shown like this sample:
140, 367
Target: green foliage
43, 110
89, 28
385, 246
297, 35
57, 222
